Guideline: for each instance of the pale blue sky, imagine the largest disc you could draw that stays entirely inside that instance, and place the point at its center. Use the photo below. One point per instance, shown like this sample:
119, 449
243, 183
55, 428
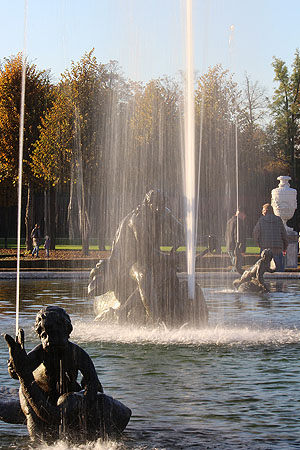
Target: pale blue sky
146, 36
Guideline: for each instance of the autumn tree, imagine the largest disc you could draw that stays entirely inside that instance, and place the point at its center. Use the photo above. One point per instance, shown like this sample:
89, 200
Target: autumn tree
38, 96
51, 157
71, 143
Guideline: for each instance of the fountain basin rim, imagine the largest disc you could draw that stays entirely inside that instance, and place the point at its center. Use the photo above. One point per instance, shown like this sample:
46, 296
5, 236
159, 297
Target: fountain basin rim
234, 275
75, 275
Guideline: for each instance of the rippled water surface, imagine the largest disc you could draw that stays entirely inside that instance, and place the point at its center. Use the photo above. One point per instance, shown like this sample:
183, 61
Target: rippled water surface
233, 385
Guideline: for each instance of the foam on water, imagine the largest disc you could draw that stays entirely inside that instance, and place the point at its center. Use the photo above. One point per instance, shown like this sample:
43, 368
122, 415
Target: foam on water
213, 335
97, 445
226, 291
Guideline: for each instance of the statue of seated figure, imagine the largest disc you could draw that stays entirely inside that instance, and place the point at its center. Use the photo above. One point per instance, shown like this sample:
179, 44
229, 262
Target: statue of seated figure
52, 402
252, 280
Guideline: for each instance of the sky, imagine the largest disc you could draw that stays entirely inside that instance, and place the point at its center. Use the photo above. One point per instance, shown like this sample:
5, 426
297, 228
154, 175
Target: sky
147, 37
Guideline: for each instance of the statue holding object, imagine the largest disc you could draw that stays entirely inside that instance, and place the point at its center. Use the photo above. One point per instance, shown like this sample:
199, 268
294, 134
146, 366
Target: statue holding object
51, 401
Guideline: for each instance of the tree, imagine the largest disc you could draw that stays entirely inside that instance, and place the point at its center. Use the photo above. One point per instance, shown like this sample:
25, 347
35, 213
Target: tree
217, 113
70, 146
8, 201
156, 136
38, 97
252, 125
52, 154
254, 105
285, 110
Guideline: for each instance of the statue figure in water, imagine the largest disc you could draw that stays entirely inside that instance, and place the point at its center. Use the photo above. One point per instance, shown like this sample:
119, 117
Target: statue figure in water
252, 280
51, 401
139, 281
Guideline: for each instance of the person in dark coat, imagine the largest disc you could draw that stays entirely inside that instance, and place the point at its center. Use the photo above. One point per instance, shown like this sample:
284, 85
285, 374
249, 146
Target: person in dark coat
235, 237
270, 232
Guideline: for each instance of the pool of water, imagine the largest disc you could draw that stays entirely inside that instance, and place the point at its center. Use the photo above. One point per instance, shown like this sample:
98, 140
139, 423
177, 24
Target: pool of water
232, 385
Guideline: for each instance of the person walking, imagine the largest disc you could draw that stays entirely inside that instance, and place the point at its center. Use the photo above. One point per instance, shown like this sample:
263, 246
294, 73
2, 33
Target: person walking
235, 237
270, 232
35, 236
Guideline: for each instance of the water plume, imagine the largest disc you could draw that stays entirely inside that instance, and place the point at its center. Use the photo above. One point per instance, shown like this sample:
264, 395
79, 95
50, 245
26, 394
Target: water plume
189, 144
21, 138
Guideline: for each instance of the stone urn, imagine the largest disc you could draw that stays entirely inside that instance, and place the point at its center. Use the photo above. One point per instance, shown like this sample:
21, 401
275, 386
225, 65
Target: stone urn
284, 202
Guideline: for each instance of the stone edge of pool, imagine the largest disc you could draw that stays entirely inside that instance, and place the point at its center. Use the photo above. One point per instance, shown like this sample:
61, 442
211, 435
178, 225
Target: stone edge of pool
85, 275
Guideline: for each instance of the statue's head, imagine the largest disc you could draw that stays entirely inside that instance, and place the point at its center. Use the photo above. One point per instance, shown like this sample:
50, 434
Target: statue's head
155, 199
53, 326
267, 255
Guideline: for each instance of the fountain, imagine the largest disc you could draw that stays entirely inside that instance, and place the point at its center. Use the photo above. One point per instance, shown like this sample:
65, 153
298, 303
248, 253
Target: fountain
232, 383
139, 282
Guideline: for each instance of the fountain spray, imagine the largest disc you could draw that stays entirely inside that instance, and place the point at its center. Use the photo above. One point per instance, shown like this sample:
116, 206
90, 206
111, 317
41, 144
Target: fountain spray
189, 129
231, 44
21, 138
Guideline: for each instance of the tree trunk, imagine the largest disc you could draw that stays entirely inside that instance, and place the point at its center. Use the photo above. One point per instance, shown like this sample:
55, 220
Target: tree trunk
50, 215
46, 213
5, 226
101, 214
29, 220
85, 244
85, 227
53, 218
85, 231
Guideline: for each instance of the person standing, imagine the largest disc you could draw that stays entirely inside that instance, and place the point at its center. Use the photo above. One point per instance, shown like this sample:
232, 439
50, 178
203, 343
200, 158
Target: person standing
235, 237
35, 236
270, 232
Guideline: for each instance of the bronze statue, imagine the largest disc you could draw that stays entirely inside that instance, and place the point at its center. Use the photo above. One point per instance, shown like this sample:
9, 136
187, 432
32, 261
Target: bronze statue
252, 280
143, 279
51, 401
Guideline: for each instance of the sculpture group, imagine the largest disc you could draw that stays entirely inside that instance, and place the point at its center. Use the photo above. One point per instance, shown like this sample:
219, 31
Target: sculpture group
139, 283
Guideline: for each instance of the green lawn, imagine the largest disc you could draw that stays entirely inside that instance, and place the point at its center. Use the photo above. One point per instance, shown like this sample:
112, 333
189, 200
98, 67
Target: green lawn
64, 244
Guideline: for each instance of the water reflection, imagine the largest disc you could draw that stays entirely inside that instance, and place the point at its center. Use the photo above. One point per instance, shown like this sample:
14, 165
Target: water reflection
232, 385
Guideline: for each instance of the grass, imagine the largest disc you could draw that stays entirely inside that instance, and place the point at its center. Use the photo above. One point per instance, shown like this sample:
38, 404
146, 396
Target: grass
66, 244
78, 247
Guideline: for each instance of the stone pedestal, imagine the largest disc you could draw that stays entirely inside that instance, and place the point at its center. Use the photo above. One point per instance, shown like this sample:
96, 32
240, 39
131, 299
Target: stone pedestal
291, 259
284, 202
